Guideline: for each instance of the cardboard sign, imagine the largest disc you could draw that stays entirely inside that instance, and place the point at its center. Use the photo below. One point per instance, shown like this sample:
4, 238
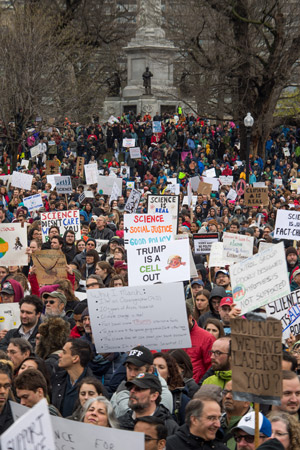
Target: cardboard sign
256, 354
256, 196
63, 185
166, 204
213, 181
135, 152
21, 180
73, 435
13, 245
144, 229
226, 181
204, 188
133, 201
216, 255
64, 220
203, 242
154, 316
31, 431
261, 279
105, 184
50, 266
9, 316
237, 247
91, 173
33, 202
165, 263
287, 225
156, 126
80, 166
128, 143
52, 167
287, 310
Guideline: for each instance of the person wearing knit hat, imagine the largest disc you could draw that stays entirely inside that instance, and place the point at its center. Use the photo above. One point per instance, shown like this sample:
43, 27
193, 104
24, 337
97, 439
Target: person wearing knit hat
292, 260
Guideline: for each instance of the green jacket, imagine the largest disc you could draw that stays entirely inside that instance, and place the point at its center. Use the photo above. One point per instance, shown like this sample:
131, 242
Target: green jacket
219, 378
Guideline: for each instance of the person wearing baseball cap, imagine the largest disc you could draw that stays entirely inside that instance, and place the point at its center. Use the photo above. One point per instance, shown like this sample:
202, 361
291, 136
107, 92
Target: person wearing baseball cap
245, 430
224, 310
222, 279
55, 303
145, 400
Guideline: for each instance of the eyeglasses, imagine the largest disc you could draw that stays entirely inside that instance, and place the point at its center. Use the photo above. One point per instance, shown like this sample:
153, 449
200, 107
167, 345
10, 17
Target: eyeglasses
149, 438
279, 434
49, 301
296, 352
217, 353
91, 244
92, 284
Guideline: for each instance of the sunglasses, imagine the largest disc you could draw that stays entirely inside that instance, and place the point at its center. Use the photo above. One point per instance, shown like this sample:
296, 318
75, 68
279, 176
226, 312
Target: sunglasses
51, 302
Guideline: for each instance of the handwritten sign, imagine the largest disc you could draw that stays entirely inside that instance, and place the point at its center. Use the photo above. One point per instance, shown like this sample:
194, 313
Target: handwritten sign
226, 181
256, 354
63, 185
133, 201
91, 173
21, 180
50, 266
150, 264
287, 225
32, 431
33, 202
106, 184
261, 279
210, 172
213, 181
232, 195
237, 247
100, 243
154, 316
36, 150
9, 316
80, 166
204, 188
256, 196
85, 195
64, 220
52, 167
13, 244
203, 242
278, 181
156, 126
216, 255
144, 229
166, 204
287, 310
135, 152
115, 193
25, 163
128, 142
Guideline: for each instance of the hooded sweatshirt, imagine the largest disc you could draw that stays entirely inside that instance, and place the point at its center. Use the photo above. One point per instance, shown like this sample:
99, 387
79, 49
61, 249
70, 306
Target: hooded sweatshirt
217, 291
18, 290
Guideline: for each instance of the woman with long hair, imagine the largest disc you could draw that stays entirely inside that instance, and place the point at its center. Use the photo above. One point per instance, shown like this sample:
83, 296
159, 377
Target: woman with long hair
201, 304
89, 268
286, 429
88, 387
214, 327
185, 367
105, 271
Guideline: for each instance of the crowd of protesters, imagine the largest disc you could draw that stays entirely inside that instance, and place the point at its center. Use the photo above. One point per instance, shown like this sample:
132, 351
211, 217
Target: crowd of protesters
182, 398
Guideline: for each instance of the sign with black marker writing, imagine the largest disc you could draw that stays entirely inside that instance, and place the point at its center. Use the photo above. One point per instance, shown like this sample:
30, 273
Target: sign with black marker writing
287, 310
287, 225
256, 354
203, 242
256, 196
167, 204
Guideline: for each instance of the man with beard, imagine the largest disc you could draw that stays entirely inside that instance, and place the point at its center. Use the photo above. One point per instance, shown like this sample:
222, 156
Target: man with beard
290, 400
144, 400
219, 373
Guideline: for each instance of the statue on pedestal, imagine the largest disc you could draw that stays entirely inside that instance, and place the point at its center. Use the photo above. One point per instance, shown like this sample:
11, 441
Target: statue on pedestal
147, 81
149, 14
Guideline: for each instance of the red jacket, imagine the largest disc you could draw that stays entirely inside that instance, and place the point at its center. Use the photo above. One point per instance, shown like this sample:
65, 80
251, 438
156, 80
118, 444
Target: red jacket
202, 342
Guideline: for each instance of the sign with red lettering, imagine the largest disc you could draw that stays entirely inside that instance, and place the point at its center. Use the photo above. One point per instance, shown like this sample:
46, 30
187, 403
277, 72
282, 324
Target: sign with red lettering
64, 220
144, 229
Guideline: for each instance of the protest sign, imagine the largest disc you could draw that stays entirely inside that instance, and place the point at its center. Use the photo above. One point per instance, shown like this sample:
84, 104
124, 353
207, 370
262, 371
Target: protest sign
105, 184
165, 263
135, 152
259, 184
33, 202
168, 204
287, 310
51, 179
154, 316
5, 178
99, 243
63, 185
130, 184
295, 184
237, 247
287, 225
73, 435
216, 255
264, 245
210, 172
25, 163
31, 431
185, 200
128, 142
278, 181
203, 242
194, 183
13, 244
143, 229
133, 201
156, 126
9, 316
261, 279
91, 173
52, 167
256, 354
240, 186
213, 181
21, 180
36, 150
172, 189
64, 220
204, 188
115, 193
80, 166
232, 195
85, 195
193, 270
256, 196
50, 266
226, 181
125, 172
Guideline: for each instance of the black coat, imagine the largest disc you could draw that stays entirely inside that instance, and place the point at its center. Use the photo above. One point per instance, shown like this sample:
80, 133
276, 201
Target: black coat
184, 440
6, 418
15, 333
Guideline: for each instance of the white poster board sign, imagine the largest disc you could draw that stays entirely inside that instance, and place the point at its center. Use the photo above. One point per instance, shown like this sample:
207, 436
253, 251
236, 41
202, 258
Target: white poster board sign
259, 184
216, 255
91, 173
226, 181
154, 316
232, 195
194, 183
210, 173
287, 225
36, 150
63, 185
165, 263
33, 202
13, 244
64, 220
278, 181
264, 245
128, 142
286, 309
133, 201
9, 316
25, 163
135, 152
106, 184
166, 204
185, 200
21, 180
115, 193
32, 431
203, 242
144, 229
237, 247
100, 243
213, 181
51, 179
261, 279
